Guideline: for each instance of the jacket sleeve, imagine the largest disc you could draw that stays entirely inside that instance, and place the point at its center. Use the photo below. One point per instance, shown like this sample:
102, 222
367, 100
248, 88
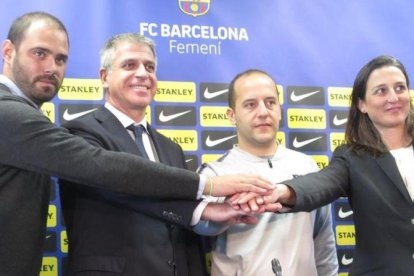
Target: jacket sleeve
29, 141
178, 212
320, 188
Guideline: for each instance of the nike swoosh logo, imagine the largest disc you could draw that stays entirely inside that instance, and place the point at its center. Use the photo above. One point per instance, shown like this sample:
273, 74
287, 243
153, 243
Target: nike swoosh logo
212, 143
338, 122
210, 95
67, 116
297, 98
345, 214
346, 261
298, 144
166, 118
48, 236
188, 160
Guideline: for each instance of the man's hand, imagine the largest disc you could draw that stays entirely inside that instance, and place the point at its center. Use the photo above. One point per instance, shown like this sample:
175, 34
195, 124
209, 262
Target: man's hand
224, 213
227, 185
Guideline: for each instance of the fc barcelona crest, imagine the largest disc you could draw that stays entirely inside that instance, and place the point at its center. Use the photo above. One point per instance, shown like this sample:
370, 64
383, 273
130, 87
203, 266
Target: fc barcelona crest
194, 7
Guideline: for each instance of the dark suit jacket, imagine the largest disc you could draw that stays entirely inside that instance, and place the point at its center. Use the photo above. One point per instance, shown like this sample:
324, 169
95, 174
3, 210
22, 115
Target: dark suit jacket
139, 237
383, 209
31, 150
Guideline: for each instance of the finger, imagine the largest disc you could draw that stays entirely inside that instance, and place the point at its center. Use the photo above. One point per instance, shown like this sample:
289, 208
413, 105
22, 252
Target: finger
245, 207
236, 207
259, 185
259, 200
245, 198
234, 198
274, 207
253, 205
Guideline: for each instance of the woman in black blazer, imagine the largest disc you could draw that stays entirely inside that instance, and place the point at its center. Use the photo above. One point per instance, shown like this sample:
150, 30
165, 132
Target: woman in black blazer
374, 169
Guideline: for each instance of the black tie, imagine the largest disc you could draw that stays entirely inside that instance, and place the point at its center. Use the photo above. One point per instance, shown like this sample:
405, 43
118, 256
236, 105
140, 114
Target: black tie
138, 129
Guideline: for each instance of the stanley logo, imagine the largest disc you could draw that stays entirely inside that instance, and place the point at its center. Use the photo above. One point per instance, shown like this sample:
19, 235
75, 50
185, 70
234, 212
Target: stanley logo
81, 89
206, 158
169, 91
321, 160
305, 95
52, 216
187, 139
214, 116
339, 96
175, 115
307, 141
306, 118
49, 266
336, 139
64, 242
345, 234
49, 110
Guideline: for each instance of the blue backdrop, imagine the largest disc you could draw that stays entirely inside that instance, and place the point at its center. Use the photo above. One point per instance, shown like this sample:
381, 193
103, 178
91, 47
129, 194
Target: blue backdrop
307, 46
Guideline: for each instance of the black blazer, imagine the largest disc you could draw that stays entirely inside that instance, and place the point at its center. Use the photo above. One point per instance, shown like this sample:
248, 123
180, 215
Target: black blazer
122, 235
383, 209
31, 150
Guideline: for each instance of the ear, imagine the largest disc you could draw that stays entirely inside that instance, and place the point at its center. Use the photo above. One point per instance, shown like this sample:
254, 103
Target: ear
8, 51
362, 106
231, 116
103, 73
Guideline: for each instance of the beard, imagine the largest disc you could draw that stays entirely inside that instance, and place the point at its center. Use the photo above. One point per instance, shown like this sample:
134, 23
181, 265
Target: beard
27, 84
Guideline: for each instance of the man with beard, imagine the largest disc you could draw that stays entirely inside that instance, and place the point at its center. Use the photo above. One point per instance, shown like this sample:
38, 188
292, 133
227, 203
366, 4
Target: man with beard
32, 149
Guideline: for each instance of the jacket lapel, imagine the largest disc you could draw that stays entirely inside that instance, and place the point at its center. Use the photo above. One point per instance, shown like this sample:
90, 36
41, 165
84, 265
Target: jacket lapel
116, 131
388, 165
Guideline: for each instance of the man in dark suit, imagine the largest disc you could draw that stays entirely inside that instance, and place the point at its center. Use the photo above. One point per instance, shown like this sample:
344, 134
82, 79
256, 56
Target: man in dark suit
148, 237
32, 148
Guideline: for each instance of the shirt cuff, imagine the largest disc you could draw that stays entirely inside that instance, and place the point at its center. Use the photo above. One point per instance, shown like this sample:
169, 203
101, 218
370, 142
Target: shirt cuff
197, 212
201, 186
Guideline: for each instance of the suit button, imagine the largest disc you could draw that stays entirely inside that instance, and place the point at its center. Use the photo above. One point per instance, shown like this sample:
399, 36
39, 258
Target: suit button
412, 221
171, 263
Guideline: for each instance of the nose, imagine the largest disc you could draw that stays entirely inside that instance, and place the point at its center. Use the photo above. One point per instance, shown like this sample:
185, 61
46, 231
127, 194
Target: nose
392, 96
262, 109
51, 66
141, 71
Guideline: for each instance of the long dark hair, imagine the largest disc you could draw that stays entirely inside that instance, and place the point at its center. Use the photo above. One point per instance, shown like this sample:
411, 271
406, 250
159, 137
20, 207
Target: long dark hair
361, 134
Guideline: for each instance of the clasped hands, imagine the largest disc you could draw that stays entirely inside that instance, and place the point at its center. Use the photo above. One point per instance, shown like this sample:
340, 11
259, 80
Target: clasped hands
246, 197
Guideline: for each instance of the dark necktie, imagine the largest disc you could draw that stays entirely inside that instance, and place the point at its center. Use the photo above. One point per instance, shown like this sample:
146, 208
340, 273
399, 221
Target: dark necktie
138, 129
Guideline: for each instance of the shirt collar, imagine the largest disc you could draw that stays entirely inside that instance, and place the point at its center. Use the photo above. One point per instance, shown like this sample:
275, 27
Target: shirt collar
123, 118
15, 90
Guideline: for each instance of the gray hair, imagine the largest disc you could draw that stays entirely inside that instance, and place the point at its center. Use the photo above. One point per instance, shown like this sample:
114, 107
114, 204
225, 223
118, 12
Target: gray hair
107, 52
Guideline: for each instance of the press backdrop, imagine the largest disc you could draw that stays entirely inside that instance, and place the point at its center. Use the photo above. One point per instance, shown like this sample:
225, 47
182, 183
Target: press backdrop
313, 49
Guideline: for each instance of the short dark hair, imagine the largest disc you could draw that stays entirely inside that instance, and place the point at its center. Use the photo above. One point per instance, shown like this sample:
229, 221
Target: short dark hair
361, 134
22, 23
231, 95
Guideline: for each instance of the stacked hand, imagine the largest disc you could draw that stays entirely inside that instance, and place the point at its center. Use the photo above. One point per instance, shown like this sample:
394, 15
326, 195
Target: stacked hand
247, 196
271, 202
